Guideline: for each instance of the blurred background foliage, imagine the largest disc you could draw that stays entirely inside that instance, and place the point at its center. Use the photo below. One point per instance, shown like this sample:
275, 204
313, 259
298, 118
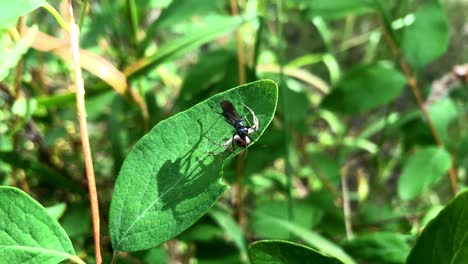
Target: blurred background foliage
362, 157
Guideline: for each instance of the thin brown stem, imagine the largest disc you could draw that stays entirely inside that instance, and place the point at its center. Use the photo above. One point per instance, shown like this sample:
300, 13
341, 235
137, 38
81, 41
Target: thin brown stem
412, 82
80, 102
238, 187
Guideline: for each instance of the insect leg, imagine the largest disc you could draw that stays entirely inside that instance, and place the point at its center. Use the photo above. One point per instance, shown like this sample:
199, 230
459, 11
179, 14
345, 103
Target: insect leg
255, 120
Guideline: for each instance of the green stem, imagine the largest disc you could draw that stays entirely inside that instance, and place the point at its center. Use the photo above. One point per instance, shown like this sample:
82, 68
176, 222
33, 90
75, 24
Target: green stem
84, 5
132, 8
281, 60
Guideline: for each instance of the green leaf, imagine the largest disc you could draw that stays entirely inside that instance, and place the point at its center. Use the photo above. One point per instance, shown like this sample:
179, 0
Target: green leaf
56, 211
442, 113
313, 239
170, 179
278, 252
380, 247
15, 8
337, 8
364, 88
428, 37
422, 171
12, 54
231, 228
210, 69
28, 234
183, 45
182, 10
445, 239
262, 226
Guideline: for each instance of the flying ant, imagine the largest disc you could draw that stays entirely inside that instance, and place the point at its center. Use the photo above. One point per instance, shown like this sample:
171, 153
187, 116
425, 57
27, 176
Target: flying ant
240, 137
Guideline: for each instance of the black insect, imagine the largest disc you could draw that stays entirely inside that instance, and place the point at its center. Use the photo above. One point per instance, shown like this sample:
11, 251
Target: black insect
240, 137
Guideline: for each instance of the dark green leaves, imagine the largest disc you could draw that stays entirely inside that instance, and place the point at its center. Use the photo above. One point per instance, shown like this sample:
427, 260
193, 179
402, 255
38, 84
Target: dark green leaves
422, 171
169, 179
380, 247
28, 234
427, 38
364, 88
278, 252
445, 239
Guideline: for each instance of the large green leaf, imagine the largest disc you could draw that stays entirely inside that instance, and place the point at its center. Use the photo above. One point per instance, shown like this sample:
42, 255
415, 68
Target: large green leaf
428, 37
422, 171
445, 239
28, 234
381, 247
364, 88
284, 252
170, 179
16, 8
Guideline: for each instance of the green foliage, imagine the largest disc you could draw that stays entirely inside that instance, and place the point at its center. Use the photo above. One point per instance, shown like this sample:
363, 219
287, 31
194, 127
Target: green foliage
29, 234
422, 171
11, 55
279, 252
170, 179
445, 238
427, 38
364, 88
338, 8
350, 164
379, 247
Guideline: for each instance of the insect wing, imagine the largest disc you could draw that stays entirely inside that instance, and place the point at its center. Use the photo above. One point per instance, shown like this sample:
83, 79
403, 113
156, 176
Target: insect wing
229, 112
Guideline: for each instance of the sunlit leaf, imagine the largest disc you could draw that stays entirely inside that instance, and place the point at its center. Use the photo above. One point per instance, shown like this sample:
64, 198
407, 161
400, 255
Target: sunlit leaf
28, 234
170, 179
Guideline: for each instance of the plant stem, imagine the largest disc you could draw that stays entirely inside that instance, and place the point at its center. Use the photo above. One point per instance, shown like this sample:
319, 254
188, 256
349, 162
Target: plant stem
238, 187
412, 82
80, 102
281, 60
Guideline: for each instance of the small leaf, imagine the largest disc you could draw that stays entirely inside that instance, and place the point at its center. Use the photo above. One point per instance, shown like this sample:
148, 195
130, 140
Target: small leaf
422, 171
380, 247
445, 239
11, 55
16, 8
364, 88
56, 211
279, 252
428, 37
28, 234
169, 179
442, 114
